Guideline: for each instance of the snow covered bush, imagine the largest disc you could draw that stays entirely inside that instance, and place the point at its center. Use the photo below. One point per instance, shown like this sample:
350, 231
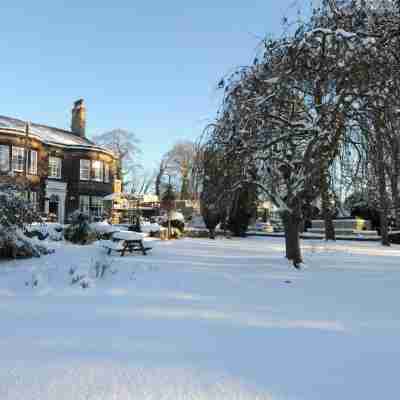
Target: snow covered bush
16, 214
49, 230
80, 230
103, 229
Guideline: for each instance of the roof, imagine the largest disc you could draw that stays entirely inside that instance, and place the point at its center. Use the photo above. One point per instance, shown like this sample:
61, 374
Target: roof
50, 135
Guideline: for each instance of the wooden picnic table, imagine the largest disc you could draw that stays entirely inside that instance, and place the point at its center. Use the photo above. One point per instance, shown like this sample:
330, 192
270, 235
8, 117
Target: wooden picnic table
126, 241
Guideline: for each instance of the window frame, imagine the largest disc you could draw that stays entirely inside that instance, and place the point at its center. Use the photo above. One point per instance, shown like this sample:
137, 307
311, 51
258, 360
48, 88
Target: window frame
16, 157
33, 200
33, 171
4, 150
99, 206
100, 169
88, 163
58, 168
107, 173
81, 203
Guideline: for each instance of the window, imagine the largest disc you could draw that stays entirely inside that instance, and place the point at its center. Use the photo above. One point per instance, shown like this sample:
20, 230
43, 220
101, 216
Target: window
84, 204
106, 173
33, 200
85, 170
32, 169
97, 170
18, 159
4, 158
97, 206
54, 167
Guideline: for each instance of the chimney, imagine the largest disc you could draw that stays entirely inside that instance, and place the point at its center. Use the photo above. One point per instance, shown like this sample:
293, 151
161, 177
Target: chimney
78, 121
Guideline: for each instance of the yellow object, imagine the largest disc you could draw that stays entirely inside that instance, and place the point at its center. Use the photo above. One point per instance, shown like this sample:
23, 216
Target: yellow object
360, 224
117, 186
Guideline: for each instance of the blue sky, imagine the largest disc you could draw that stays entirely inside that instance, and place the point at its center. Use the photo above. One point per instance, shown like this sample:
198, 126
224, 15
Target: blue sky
147, 66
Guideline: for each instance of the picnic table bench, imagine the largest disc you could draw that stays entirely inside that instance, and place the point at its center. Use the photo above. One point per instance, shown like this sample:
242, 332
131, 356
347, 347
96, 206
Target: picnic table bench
125, 241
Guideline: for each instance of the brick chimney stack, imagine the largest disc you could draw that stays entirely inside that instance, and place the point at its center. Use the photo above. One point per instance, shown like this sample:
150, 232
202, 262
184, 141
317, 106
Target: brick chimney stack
78, 121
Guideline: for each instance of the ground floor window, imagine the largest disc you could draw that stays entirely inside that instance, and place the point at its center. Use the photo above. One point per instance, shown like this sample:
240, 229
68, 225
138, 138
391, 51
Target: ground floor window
96, 206
33, 199
84, 204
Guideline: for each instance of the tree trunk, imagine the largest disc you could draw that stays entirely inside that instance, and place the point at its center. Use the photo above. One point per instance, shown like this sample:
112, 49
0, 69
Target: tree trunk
292, 238
395, 173
396, 200
326, 204
383, 196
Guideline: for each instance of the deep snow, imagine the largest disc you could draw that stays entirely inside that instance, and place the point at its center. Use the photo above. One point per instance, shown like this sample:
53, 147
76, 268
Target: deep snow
202, 319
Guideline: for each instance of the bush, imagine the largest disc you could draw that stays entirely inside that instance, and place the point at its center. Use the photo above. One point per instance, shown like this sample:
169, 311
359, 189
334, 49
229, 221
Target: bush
80, 231
15, 215
175, 224
103, 230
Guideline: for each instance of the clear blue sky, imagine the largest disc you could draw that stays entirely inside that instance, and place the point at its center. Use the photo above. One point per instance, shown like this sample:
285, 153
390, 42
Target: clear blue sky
147, 66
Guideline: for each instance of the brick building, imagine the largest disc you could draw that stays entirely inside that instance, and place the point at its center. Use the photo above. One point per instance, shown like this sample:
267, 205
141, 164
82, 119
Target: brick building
61, 170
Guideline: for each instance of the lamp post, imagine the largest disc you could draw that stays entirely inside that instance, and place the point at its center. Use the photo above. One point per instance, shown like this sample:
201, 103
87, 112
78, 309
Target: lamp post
168, 204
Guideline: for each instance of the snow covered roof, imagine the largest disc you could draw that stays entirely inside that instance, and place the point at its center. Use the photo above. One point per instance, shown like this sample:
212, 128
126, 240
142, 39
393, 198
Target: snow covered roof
49, 135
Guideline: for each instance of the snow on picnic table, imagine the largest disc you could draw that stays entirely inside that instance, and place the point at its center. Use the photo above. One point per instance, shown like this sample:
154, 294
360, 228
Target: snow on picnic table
202, 319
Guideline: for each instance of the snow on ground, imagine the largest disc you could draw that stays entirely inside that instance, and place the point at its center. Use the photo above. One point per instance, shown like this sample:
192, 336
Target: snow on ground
201, 319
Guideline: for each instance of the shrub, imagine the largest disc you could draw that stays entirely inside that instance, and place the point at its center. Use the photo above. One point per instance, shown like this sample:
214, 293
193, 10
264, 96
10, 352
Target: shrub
80, 231
175, 224
15, 215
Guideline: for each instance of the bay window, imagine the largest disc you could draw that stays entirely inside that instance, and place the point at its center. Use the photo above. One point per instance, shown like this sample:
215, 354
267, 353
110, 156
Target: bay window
4, 158
18, 156
54, 167
106, 173
97, 170
32, 169
84, 171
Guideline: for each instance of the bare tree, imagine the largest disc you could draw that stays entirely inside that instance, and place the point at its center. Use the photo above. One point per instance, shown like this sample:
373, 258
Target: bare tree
125, 145
177, 163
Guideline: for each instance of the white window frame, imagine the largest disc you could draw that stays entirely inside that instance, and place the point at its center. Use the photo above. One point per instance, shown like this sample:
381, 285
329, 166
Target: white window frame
33, 200
55, 165
18, 158
84, 204
106, 173
97, 170
84, 166
33, 161
98, 209
4, 158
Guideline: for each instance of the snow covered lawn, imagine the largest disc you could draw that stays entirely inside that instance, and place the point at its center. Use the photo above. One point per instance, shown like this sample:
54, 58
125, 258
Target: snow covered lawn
201, 319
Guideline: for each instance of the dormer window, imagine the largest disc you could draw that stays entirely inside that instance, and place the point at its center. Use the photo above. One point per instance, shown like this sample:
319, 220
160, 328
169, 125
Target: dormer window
97, 170
84, 172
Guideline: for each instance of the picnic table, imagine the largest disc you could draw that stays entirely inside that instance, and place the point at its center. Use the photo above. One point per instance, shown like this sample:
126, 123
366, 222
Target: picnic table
125, 241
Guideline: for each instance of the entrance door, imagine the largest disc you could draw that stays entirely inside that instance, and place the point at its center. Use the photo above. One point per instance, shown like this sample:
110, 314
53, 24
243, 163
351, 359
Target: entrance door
54, 207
